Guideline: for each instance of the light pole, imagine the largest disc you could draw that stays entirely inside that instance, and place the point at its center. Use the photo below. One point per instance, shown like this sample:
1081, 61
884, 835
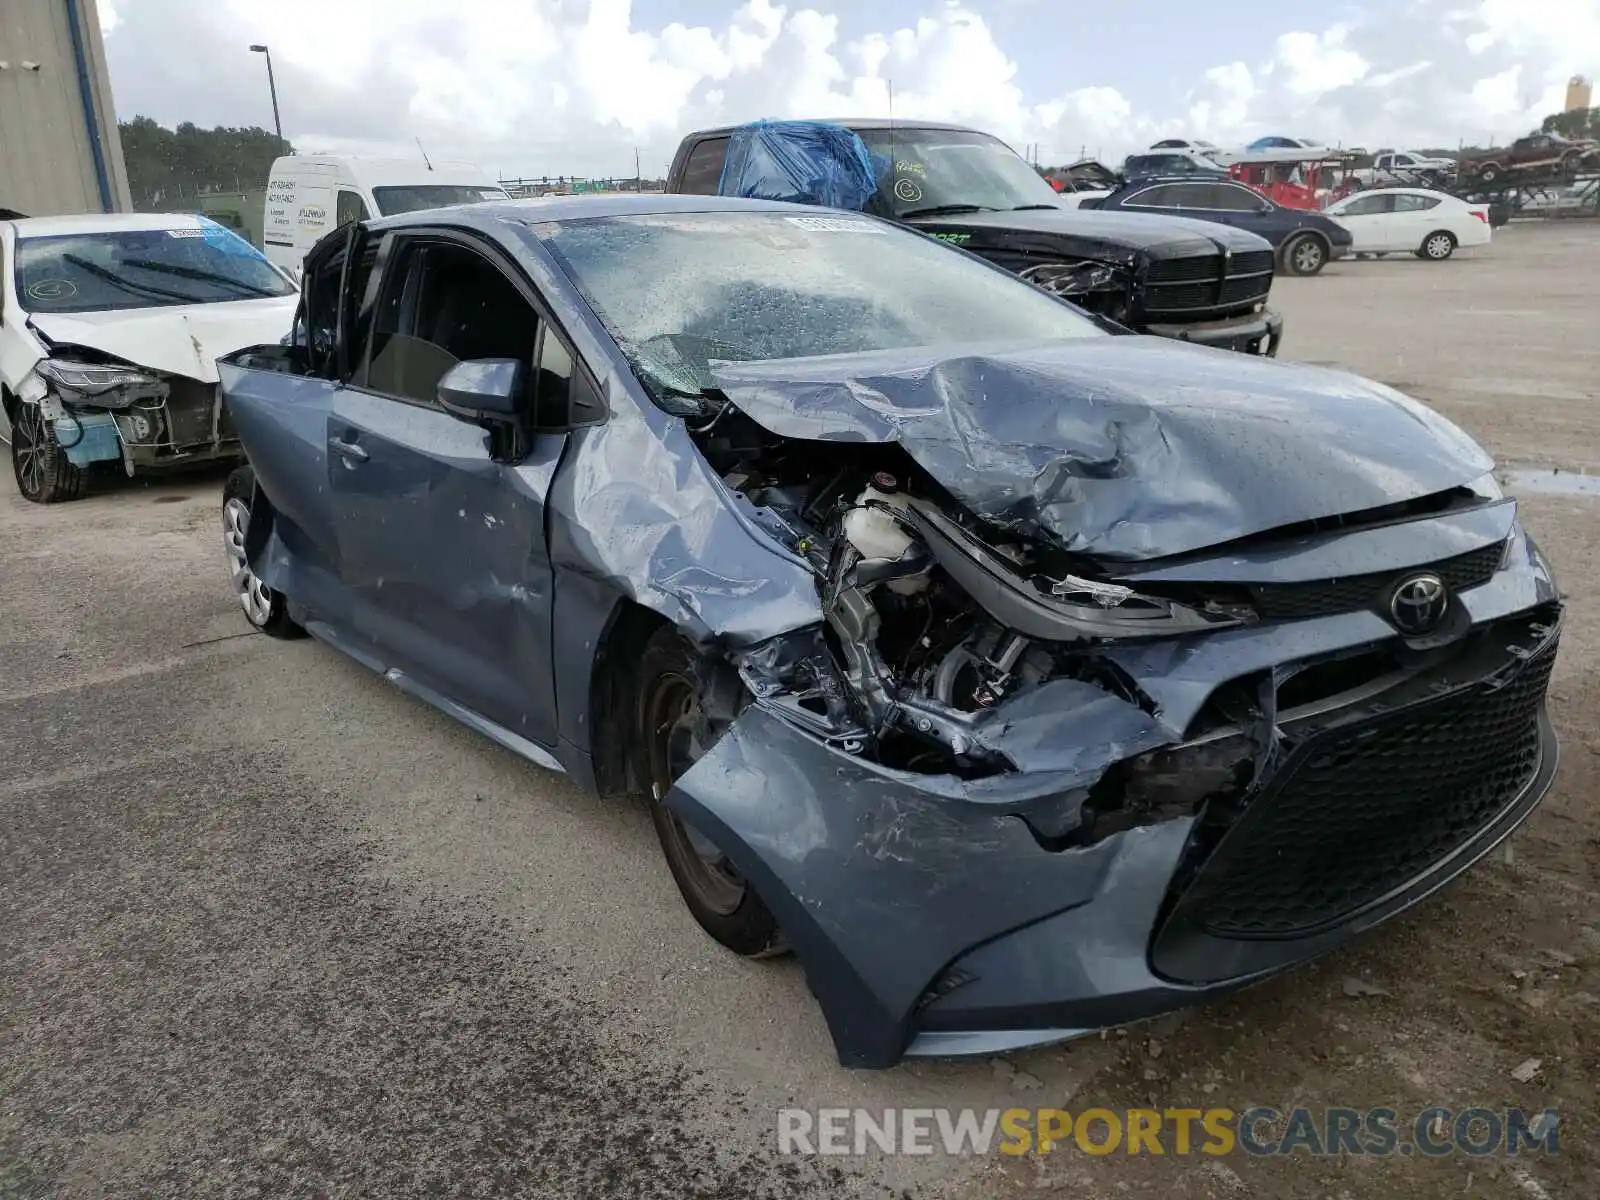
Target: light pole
272, 84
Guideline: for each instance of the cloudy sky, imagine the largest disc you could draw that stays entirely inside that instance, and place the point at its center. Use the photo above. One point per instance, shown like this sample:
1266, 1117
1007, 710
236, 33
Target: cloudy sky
573, 86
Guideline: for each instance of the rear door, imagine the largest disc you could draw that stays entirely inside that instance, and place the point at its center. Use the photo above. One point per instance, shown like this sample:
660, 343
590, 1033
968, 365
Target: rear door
441, 521
1414, 218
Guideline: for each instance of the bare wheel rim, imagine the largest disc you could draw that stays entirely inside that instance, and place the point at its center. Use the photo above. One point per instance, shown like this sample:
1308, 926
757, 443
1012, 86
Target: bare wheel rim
1307, 256
671, 714
255, 597
27, 449
1438, 246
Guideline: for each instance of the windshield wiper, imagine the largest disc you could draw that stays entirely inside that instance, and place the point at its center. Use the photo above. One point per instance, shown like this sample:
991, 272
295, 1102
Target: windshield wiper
1034, 207
127, 285
150, 264
943, 210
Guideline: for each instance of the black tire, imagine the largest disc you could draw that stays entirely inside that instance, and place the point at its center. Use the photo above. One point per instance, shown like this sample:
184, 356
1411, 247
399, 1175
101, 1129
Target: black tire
1489, 172
40, 466
666, 724
1304, 254
1437, 246
263, 607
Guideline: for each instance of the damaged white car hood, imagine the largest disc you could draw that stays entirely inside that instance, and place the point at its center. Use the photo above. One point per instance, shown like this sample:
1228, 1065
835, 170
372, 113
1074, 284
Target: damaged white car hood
182, 339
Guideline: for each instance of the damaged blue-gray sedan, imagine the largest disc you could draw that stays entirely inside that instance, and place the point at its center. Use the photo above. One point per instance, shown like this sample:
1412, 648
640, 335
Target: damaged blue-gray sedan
1023, 675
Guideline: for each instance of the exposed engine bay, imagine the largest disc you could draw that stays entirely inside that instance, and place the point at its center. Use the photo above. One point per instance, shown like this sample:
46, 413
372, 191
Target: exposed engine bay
105, 407
932, 618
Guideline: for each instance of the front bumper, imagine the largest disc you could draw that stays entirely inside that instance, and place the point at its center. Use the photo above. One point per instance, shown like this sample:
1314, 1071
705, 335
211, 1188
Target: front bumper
937, 917
1258, 333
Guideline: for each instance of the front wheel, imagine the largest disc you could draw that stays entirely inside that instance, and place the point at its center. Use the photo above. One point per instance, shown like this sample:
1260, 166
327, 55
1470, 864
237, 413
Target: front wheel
44, 473
263, 607
1304, 254
1437, 246
671, 733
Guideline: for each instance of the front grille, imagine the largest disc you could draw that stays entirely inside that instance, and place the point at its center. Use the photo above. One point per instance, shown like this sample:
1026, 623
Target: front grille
1361, 810
1201, 284
1323, 597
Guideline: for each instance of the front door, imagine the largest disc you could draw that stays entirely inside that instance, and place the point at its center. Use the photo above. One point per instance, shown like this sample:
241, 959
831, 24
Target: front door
1369, 221
442, 532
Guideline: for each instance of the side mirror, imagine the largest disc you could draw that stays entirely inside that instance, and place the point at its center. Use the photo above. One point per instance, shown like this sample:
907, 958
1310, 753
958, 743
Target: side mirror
1264, 206
484, 389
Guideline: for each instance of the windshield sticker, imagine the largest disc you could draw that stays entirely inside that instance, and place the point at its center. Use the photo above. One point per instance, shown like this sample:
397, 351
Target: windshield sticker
52, 289
907, 190
185, 233
220, 237
834, 224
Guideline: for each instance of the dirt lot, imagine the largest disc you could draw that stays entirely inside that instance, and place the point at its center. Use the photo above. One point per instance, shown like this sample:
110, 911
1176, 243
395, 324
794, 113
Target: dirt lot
270, 928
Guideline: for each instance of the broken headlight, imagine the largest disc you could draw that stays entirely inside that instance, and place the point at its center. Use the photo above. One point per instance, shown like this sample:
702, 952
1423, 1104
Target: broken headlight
93, 379
1075, 279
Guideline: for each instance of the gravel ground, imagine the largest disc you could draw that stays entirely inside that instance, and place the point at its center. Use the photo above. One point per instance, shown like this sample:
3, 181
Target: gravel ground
271, 928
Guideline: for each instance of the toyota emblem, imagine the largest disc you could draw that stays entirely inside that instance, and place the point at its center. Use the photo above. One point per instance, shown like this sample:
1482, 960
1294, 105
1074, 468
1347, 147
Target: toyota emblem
1418, 604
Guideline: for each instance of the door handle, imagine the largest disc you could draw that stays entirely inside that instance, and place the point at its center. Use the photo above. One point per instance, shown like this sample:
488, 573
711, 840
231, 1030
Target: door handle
348, 451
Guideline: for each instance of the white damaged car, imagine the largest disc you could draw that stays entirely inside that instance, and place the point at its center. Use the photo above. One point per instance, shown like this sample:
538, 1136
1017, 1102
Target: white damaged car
110, 328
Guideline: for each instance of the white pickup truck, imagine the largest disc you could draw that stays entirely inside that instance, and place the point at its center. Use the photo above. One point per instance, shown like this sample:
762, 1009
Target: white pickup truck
1403, 166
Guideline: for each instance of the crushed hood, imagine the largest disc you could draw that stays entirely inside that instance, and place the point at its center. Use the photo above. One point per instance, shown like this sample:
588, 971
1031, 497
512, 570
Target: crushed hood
183, 339
1126, 448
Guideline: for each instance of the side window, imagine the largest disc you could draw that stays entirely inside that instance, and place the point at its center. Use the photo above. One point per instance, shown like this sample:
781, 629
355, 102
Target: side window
358, 323
552, 386
1367, 206
442, 304
350, 207
703, 171
1193, 195
1414, 203
319, 308
1230, 199
1160, 196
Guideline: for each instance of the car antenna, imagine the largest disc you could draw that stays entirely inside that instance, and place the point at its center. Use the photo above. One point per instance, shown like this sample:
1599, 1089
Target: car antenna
424, 154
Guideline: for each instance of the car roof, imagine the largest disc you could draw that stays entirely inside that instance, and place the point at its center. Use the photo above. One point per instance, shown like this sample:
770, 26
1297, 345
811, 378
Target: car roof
1220, 177
1401, 191
103, 223
577, 208
857, 123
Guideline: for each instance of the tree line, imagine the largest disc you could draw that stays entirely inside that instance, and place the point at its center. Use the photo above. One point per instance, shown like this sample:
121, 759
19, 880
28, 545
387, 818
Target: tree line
168, 168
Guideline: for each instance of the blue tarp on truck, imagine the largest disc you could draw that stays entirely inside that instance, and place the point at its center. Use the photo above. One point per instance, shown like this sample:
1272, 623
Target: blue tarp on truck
802, 162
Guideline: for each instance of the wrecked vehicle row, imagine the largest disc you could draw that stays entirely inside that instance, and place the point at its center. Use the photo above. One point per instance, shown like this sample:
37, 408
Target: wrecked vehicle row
110, 328
1021, 676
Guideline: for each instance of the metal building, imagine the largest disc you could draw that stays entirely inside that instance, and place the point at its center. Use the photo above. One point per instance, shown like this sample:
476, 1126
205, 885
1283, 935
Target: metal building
59, 148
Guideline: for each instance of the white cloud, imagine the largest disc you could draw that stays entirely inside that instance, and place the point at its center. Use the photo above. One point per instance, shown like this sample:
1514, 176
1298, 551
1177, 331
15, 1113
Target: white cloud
575, 85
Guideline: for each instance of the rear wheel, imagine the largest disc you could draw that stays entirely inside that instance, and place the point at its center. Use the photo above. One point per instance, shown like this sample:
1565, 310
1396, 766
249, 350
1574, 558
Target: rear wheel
1304, 254
1437, 246
263, 607
43, 472
672, 732
1489, 172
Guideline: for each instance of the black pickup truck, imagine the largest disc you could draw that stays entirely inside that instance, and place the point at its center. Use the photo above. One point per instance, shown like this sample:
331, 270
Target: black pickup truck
1192, 280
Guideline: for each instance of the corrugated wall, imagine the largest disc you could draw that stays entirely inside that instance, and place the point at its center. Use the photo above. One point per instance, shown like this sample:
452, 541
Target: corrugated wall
48, 160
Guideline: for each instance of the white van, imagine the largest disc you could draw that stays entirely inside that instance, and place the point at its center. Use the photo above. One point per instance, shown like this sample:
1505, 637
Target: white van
308, 195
